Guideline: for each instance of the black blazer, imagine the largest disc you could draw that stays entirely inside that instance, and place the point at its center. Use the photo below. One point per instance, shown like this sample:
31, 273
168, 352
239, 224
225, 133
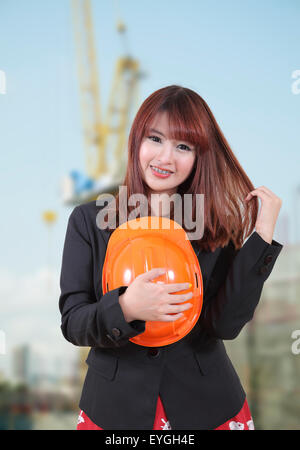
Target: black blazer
194, 377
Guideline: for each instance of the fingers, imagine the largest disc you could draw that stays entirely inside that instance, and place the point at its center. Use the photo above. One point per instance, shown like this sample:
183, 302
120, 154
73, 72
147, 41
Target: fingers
167, 303
174, 313
177, 287
263, 189
169, 309
152, 274
259, 192
171, 317
169, 287
179, 298
262, 192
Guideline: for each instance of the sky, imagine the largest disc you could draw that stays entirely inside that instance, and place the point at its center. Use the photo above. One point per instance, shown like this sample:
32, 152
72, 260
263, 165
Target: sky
239, 56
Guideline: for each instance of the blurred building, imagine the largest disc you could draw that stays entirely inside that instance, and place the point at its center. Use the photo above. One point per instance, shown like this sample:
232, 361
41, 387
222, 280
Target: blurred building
21, 364
262, 353
283, 229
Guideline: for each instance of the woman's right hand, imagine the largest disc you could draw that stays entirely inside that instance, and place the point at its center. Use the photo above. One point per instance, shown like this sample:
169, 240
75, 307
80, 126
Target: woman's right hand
144, 300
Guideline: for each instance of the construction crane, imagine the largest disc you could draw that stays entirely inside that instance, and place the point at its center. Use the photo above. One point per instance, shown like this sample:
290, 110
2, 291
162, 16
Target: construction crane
49, 217
104, 137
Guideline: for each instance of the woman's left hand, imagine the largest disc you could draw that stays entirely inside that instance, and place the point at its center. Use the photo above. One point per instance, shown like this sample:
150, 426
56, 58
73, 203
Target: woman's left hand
268, 214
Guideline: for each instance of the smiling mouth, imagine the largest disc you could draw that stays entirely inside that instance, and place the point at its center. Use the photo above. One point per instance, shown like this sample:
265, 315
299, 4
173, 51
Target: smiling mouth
161, 170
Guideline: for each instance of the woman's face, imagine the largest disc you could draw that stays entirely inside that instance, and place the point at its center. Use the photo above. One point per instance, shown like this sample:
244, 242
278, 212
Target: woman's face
157, 150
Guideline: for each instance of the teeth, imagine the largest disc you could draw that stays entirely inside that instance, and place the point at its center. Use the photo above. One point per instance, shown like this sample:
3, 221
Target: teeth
160, 171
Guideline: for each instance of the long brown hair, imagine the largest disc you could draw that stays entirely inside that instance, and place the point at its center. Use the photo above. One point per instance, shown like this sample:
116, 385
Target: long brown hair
216, 173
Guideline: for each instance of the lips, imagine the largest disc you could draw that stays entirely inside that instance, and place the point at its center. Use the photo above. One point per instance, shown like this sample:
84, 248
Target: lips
161, 168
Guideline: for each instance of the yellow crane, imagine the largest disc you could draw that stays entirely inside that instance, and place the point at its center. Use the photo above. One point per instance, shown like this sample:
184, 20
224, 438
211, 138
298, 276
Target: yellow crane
105, 136
49, 217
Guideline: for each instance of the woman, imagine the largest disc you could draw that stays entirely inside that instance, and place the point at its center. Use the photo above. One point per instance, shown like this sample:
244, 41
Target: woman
190, 384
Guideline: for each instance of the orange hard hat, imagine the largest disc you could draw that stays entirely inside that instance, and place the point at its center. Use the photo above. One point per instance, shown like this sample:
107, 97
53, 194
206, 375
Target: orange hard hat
145, 243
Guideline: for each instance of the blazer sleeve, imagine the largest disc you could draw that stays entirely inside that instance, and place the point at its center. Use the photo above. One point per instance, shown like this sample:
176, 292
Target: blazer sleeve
84, 320
233, 303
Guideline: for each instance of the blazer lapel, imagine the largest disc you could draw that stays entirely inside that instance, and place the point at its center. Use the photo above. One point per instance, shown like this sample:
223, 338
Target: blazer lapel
207, 262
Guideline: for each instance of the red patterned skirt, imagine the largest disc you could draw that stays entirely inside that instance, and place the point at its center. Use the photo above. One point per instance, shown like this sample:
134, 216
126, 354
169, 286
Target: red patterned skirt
242, 421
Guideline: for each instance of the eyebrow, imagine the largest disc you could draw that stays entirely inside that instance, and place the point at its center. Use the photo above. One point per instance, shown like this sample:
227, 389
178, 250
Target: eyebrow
156, 131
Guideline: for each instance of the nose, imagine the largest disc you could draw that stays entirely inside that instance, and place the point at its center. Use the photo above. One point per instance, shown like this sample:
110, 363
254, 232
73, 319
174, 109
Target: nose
165, 155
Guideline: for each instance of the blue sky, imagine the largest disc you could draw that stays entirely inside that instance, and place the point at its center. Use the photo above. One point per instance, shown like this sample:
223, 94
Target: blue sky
238, 55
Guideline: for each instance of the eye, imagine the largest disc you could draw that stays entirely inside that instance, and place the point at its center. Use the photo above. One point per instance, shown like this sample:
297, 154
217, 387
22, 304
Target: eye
154, 137
159, 139
186, 147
